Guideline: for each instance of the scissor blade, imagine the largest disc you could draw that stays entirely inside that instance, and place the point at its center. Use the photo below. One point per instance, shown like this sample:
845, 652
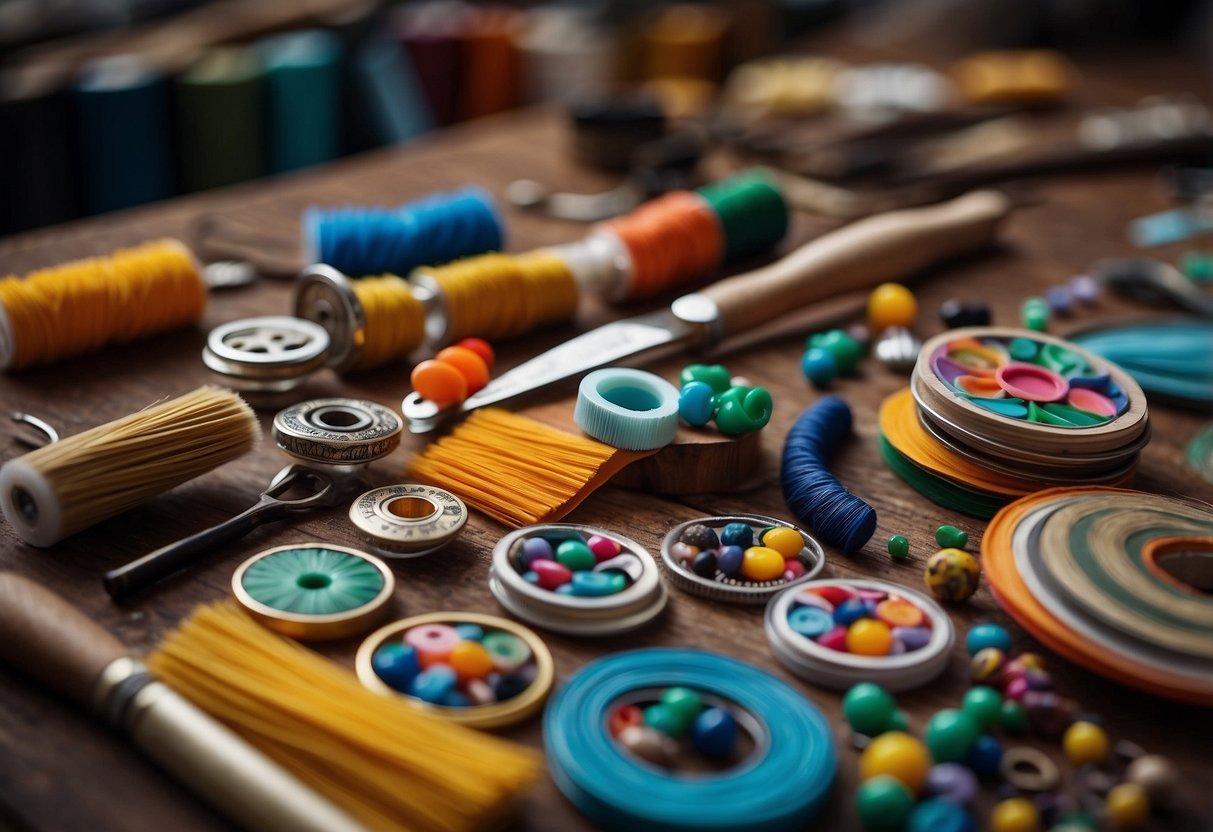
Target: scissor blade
605, 345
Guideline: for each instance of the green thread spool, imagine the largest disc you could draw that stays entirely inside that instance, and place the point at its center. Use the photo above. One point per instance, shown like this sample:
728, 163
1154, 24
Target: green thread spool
752, 212
221, 120
314, 591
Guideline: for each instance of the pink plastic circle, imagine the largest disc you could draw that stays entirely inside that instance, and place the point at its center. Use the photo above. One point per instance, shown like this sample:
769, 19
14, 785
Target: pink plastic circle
1031, 383
1091, 401
433, 642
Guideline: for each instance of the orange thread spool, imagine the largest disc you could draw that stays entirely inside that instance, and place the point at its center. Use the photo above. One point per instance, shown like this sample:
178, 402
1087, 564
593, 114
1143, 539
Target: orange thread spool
672, 240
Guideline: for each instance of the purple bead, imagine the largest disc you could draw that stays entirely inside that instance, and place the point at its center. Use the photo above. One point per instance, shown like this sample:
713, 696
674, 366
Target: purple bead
914, 638
1048, 713
953, 782
897, 647
1038, 679
729, 560
535, 548
704, 564
1060, 299
1084, 288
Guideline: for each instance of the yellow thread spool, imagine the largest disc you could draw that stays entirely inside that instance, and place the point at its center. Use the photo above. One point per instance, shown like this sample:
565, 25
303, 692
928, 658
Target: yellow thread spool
80, 306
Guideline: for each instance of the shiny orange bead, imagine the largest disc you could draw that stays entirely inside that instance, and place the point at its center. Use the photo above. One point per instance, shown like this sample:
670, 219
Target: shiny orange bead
470, 660
439, 382
868, 637
891, 304
467, 362
898, 612
481, 348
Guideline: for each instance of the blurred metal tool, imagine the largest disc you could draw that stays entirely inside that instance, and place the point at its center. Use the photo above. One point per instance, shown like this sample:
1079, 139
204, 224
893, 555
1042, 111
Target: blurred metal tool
897, 348
1153, 281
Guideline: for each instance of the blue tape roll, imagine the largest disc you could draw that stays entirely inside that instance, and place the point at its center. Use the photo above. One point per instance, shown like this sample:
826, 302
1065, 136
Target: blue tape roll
780, 787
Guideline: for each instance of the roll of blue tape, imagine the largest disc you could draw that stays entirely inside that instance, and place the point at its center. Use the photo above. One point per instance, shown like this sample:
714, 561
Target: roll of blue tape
628, 409
779, 787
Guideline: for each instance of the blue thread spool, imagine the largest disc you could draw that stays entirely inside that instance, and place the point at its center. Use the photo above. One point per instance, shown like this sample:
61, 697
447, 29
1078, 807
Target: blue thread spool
302, 97
811, 492
435, 229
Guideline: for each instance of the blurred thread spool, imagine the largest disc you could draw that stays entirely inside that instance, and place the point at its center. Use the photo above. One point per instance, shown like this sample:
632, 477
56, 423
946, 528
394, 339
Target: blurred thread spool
685, 41
37, 115
565, 56
389, 92
783, 85
302, 97
608, 131
69, 485
78, 307
432, 36
124, 132
491, 73
220, 119
1032, 77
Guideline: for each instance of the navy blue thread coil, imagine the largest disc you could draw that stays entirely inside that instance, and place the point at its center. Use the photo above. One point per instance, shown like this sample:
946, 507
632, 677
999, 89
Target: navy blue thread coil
436, 229
814, 495
780, 787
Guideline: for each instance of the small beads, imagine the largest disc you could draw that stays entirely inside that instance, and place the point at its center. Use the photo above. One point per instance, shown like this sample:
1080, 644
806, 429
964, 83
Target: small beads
762, 564
876, 624
982, 636
741, 534
868, 637
883, 804
699, 536
983, 704
952, 574
987, 665
714, 733
1128, 805
819, 366
1035, 314
950, 734
708, 392
953, 782
653, 732
1157, 775
891, 304
899, 547
715, 376
455, 373
1084, 743
592, 566
469, 364
898, 755
575, 556
1018, 814
696, 404
950, 537
868, 708
787, 542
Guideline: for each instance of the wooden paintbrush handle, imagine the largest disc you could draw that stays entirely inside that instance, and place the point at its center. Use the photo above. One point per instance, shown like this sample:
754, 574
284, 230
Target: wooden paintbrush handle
51, 641
890, 246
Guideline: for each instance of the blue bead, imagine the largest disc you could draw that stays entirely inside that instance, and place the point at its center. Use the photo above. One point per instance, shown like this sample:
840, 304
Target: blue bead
714, 733
737, 534
985, 757
729, 560
531, 577
851, 610
704, 564
1060, 299
397, 665
939, 815
810, 622
469, 632
697, 403
982, 636
819, 366
535, 548
455, 699
433, 683
592, 584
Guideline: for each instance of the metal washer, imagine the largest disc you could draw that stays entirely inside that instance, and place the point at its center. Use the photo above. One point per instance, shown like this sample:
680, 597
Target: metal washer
272, 352
386, 518
337, 431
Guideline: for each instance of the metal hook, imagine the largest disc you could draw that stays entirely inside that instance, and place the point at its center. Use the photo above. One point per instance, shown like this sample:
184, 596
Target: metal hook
52, 435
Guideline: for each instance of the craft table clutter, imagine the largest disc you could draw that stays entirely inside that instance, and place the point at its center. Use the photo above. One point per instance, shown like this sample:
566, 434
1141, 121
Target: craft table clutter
913, 667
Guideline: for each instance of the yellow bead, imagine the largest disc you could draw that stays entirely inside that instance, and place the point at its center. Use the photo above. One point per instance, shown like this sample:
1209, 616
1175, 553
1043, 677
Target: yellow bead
783, 540
1128, 805
470, 660
761, 563
1085, 742
1018, 814
899, 755
869, 637
891, 304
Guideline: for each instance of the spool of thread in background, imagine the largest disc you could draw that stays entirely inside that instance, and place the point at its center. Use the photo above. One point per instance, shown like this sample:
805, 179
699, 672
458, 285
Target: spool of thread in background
435, 229
220, 119
125, 135
813, 494
491, 75
389, 92
565, 55
80, 306
302, 98
38, 129
685, 41
431, 35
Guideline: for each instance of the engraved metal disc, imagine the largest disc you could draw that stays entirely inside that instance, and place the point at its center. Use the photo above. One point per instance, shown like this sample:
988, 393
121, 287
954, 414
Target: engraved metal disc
337, 431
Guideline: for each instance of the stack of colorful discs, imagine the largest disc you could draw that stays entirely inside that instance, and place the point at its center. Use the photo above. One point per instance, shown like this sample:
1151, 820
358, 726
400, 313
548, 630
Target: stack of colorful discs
993, 414
1124, 588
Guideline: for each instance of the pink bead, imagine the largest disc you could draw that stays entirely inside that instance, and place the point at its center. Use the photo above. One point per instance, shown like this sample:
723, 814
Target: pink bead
433, 642
836, 639
794, 569
551, 574
1016, 688
873, 595
480, 692
604, 548
835, 594
808, 598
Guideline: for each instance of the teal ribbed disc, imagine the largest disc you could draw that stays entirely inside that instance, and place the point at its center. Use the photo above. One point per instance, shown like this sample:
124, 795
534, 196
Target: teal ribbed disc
313, 581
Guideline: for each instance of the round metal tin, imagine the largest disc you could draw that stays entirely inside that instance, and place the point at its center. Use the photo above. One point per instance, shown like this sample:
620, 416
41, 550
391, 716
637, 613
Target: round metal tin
494, 715
408, 520
575, 615
270, 353
337, 431
721, 587
835, 669
308, 626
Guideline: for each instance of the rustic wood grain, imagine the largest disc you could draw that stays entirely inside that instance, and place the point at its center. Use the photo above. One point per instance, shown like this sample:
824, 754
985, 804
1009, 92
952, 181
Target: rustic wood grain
59, 772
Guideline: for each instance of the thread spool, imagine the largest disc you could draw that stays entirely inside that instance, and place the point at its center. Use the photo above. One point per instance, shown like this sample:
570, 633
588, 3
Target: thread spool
39, 128
565, 55
302, 96
432, 35
62, 488
490, 61
220, 119
435, 229
82, 305
685, 41
811, 492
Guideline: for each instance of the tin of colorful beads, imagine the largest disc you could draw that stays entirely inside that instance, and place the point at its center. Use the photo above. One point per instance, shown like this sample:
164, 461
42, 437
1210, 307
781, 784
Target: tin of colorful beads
337, 432
482, 671
779, 785
816, 648
314, 591
576, 579
408, 520
752, 573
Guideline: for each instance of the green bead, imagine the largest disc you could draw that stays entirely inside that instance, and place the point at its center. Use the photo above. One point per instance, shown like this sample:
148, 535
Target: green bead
845, 349
684, 705
1197, 265
984, 704
661, 718
899, 547
575, 555
713, 375
1035, 314
883, 803
743, 410
868, 708
900, 721
950, 734
950, 537
1012, 717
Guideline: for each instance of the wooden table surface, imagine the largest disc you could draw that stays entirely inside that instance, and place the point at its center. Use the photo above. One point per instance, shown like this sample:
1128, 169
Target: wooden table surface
58, 771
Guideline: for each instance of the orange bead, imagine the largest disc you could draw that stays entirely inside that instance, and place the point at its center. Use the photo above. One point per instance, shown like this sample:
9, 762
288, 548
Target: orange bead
897, 612
467, 362
481, 348
891, 304
439, 382
470, 660
867, 637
